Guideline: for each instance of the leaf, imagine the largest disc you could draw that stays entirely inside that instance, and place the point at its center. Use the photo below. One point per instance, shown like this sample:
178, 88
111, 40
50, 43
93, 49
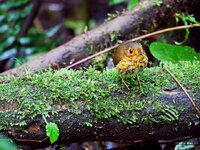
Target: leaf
12, 3
52, 131
186, 18
24, 40
4, 28
8, 54
19, 14
2, 17
76, 25
50, 32
173, 53
115, 2
6, 144
132, 3
7, 42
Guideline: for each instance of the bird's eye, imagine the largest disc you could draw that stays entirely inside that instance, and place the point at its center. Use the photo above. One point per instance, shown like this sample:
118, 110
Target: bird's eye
130, 51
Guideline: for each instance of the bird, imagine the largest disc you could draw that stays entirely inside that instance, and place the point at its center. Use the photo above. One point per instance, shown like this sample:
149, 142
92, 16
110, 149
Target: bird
130, 58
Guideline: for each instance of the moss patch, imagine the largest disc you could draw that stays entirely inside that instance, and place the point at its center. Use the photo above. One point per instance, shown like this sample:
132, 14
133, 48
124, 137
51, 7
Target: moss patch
100, 93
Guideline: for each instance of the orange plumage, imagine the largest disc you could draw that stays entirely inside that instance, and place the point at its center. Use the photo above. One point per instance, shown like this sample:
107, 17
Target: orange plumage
130, 57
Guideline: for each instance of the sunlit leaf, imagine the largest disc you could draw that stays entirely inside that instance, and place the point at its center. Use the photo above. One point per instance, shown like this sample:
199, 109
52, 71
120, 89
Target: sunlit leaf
52, 31
12, 3
173, 53
19, 14
4, 28
132, 3
7, 54
52, 131
6, 42
115, 2
184, 146
6, 144
24, 40
2, 17
76, 25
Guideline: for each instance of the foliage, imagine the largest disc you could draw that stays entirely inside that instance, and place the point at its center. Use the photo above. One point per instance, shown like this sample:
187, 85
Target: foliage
52, 131
132, 4
14, 43
6, 144
114, 2
173, 53
79, 26
111, 16
157, 2
186, 19
184, 146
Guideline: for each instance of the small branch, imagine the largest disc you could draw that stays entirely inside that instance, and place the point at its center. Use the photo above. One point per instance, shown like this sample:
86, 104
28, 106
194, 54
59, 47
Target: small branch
165, 30
92, 56
29, 20
134, 39
184, 90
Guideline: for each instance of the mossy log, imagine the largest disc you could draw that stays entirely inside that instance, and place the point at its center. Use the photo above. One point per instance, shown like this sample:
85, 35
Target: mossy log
147, 17
92, 105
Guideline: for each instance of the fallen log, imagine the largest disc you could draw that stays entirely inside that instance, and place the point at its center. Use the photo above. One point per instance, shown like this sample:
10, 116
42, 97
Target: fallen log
92, 105
144, 18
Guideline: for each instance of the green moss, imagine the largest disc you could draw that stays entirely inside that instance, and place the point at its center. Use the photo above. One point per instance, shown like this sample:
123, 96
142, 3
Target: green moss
158, 2
100, 93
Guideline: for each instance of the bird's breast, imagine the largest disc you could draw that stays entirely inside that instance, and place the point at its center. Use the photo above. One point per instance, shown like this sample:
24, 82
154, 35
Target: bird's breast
132, 64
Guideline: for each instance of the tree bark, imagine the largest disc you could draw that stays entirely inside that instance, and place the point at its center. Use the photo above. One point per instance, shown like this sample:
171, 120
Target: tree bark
146, 17
93, 106
74, 129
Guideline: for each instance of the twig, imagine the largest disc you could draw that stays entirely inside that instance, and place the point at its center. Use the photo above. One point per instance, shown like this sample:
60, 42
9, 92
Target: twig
92, 56
184, 90
29, 20
30, 140
134, 39
165, 30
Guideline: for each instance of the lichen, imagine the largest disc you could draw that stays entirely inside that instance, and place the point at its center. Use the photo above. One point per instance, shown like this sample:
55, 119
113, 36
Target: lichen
102, 94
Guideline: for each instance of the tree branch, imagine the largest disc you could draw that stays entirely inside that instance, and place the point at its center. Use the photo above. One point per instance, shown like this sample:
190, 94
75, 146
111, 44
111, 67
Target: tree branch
92, 105
143, 19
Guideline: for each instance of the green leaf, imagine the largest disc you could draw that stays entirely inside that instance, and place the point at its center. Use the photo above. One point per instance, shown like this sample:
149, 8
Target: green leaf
12, 3
4, 28
24, 40
2, 17
115, 2
52, 31
52, 131
6, 144
76, 25
8, 54
173, 53
157, 2
132, 3
6, 42
186, 19
19, 14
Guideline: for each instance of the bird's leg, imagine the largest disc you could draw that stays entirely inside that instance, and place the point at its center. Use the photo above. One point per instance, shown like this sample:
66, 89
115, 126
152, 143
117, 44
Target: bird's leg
124, 82
138, 79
